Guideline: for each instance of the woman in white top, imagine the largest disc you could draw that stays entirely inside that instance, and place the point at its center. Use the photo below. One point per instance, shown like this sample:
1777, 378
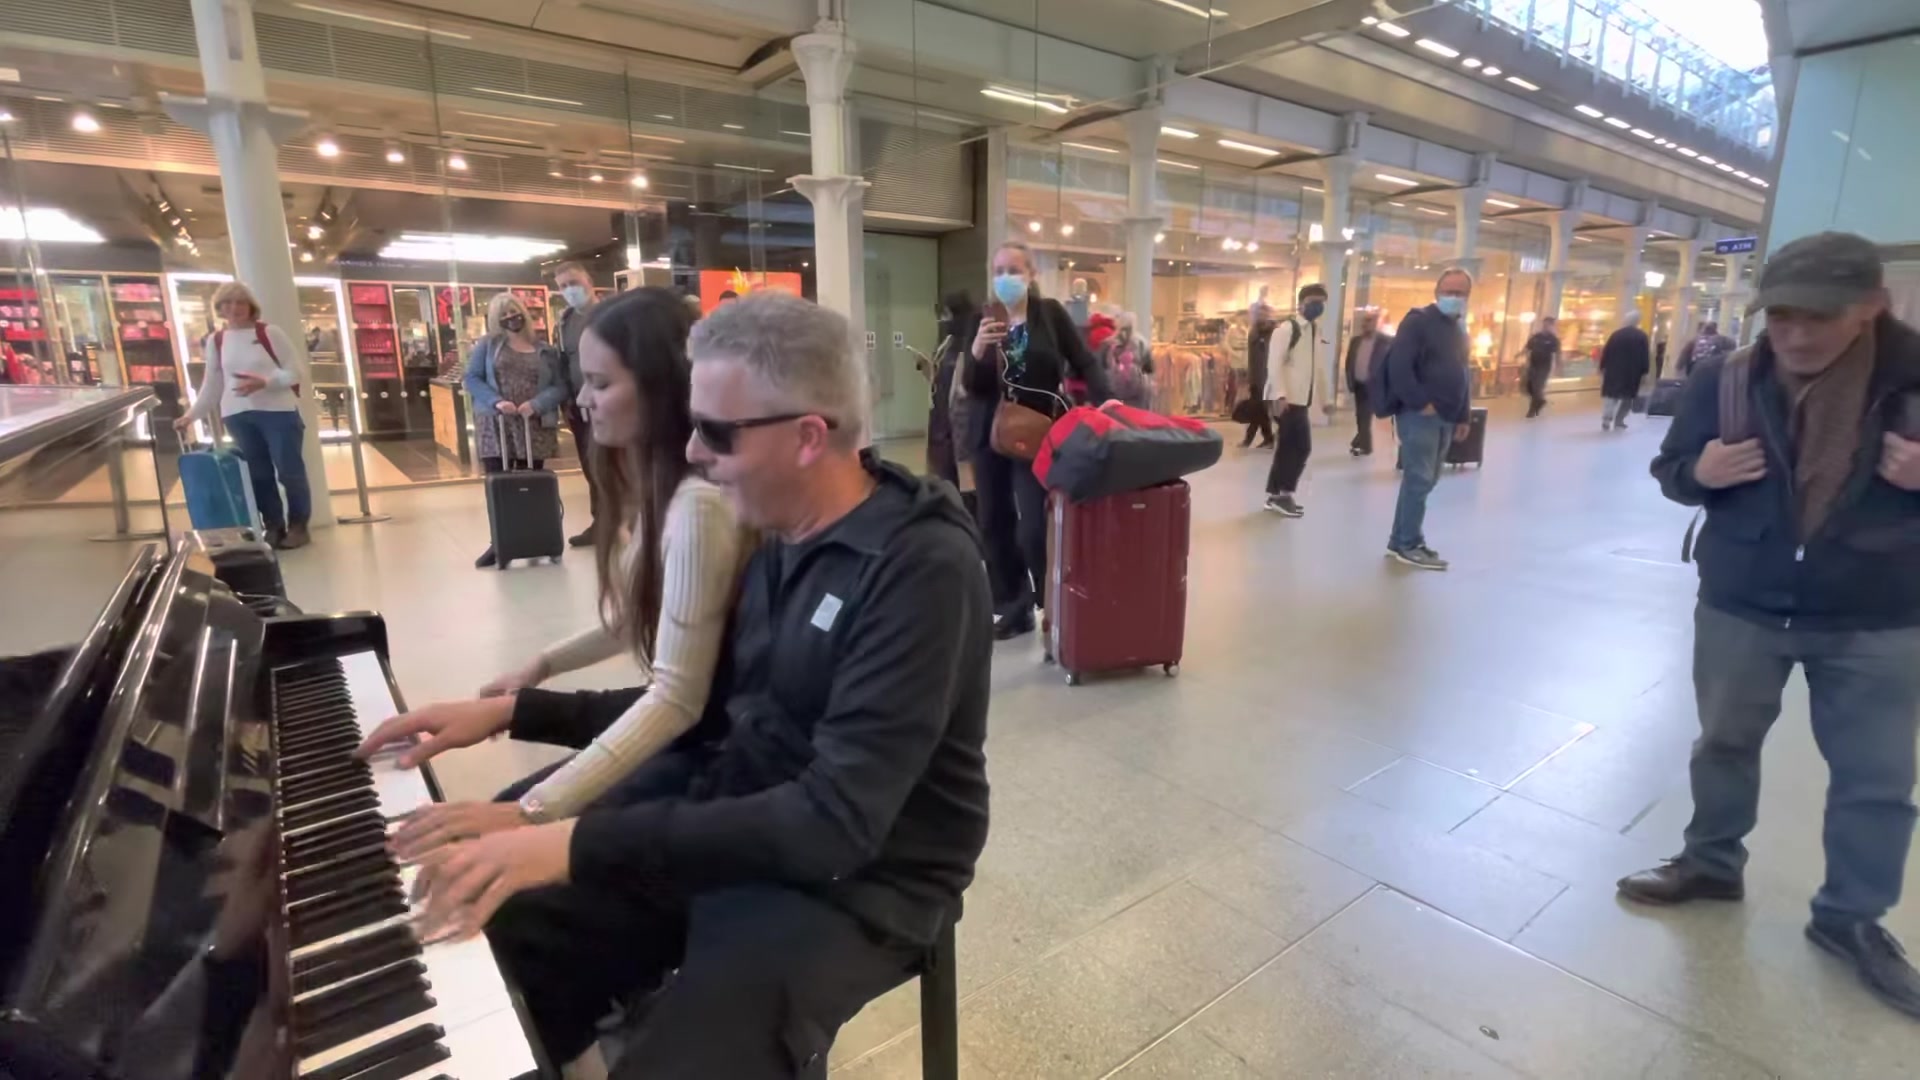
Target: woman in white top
251, 380
665, 593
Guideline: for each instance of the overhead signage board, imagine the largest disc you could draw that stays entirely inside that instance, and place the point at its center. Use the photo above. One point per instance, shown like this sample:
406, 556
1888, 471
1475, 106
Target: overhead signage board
1739, 245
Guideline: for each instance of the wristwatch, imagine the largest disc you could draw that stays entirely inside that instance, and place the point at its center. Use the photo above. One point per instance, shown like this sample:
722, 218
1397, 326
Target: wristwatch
534, 809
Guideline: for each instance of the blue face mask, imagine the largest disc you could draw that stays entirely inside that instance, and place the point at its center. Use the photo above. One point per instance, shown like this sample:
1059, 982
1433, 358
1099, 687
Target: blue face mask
1010, 288
1451, 306
577, 295
1312, 309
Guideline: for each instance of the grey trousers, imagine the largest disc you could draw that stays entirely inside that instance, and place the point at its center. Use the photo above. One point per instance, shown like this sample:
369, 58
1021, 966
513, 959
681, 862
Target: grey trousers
1864, 690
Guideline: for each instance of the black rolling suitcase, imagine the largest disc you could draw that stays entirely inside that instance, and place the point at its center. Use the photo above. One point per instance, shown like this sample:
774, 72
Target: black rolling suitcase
1472, 449
523, 507
1665, 397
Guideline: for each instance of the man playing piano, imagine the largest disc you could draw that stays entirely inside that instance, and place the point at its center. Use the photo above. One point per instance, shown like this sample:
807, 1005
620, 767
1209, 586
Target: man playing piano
796, 853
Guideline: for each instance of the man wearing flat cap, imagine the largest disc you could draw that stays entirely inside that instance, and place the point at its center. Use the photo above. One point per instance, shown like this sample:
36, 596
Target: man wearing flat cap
1802, 450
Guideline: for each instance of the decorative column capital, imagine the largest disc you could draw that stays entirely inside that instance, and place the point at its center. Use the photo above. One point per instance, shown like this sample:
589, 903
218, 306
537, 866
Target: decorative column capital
834, 190
826, 59
1143, 127
199, 113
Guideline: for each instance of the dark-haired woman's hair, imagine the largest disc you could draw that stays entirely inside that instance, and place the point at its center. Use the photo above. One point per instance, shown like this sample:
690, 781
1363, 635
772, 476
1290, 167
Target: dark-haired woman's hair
648, 329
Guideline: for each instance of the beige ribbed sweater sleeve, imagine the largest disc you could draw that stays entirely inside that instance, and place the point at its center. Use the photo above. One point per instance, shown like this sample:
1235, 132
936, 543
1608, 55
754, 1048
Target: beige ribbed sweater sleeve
703, 550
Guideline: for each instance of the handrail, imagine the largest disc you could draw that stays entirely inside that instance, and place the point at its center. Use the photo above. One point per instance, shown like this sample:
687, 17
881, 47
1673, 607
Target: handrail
41, 425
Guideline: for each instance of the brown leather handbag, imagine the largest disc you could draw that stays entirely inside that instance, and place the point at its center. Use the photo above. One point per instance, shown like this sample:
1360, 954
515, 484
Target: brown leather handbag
1018, 430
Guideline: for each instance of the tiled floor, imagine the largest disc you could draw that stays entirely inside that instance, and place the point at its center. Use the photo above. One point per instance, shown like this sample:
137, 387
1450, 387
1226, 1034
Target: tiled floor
1369, 831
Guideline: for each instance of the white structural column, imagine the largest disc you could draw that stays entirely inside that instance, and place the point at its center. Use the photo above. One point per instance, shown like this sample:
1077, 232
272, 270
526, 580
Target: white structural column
1680, 298
1143, 143
1730, 310
996, 182
1633, 274
244, 132
1562, 226
1471, 206
834, 187
1336, 227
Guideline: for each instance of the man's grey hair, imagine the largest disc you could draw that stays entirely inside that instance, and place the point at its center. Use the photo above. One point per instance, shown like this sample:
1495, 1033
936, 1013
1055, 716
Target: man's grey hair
1632, 315
1454, 271
799, 349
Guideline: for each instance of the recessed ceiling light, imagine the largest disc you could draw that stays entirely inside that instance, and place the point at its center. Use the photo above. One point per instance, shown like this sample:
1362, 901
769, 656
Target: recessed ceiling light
1034, 226
84, 123
1489, 71
1393, 29
1066, 230
594, 178
1643, 133
1742, 174
5, 117
326, 147
1437, 48
1368, 21
457, 163
1760, 182
306, 256
1091, 146
1178, 133
396, 156
1685, 152
1522, 83
1705, 160
639, 180
1389, 178
1588, 110
1470, 62
1234, 144
1159, 236
1503, 204
1616, 122
315, 232
1723, 166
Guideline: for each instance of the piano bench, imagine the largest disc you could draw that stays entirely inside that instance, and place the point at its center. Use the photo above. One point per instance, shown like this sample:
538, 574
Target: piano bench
940, 1011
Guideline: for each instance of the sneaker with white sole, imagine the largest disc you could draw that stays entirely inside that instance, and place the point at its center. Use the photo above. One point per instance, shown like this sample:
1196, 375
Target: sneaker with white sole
1285, 504
1420, 557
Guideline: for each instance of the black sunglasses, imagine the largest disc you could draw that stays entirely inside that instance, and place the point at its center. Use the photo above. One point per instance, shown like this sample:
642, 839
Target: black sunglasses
720, 435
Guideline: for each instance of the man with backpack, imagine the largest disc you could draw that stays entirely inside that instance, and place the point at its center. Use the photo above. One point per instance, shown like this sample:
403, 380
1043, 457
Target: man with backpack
1804, 451
1708, 347
1294, 385
1424, 382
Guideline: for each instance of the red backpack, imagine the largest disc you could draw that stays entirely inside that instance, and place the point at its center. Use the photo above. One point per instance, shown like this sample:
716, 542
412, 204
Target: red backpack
259, 335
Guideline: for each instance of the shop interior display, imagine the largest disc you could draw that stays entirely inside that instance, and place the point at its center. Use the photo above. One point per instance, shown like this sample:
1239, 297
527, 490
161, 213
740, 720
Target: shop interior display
144, 332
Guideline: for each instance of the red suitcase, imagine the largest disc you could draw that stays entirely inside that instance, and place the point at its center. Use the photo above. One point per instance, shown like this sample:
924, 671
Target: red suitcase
1117, 581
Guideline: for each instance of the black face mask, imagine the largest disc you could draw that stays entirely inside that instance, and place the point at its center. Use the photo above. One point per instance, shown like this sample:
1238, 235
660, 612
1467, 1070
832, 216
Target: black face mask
513, 323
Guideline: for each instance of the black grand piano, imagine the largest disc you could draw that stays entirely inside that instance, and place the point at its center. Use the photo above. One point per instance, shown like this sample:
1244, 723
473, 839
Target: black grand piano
193, 880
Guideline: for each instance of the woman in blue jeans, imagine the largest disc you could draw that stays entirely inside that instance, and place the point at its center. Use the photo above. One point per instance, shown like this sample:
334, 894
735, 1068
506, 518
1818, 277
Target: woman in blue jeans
251, 381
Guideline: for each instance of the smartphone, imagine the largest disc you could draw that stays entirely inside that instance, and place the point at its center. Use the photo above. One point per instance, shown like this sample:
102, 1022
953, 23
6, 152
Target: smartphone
996, 312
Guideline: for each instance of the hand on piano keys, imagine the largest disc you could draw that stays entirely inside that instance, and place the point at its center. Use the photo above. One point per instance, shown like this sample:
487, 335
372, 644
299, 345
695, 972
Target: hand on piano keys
448, 725
435, 826
459, 886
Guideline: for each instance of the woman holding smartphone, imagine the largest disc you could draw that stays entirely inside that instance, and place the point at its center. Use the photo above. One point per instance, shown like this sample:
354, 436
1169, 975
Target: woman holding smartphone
1025, 347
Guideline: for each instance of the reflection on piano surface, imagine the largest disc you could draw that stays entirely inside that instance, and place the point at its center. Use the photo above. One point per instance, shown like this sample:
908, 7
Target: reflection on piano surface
193, 876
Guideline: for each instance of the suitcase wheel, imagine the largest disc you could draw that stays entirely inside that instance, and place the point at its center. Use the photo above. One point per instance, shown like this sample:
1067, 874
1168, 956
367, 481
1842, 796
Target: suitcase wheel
1073, 678
1170, 669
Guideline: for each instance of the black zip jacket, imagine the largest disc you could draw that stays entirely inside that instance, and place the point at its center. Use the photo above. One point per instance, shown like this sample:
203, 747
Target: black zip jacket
1861, 571
842, 748
1055, 352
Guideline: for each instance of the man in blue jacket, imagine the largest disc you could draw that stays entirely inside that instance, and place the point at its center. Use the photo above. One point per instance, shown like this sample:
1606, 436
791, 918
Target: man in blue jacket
1426, 386
1802, 450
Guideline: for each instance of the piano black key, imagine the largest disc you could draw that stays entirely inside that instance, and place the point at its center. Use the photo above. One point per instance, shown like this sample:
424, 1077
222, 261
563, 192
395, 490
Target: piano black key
345, 842
307, 747
306, 791
406, 1064
368, 821
348, 960
327, 809
351, 919
351, 1066
321, 907
350, 996
373, 866
369, 1017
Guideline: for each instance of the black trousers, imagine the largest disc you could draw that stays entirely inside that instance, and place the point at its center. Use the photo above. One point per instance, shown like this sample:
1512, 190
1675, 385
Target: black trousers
1362, 421
1295, 435
1537, 387
752, 982
1013, 523
582, 429
1263, 421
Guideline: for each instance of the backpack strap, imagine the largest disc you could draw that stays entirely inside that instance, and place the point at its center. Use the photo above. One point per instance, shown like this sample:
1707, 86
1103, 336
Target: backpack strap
266, 343
1736, 399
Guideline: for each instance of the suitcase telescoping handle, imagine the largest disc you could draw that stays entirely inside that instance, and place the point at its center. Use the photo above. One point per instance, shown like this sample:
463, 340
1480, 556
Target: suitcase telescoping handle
506, 457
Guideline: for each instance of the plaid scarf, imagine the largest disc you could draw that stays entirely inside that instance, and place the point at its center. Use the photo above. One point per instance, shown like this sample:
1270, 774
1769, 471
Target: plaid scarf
1824, 419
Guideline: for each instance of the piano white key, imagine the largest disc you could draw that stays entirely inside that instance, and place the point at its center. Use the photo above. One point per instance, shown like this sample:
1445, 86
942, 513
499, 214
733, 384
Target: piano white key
400, 790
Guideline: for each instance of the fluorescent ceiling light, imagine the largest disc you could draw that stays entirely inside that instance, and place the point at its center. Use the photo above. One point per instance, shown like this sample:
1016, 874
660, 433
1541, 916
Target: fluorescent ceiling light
315, 232
1742, 174
1315, 190
1616, 122
84, 123
1723, 166
663, 138
594, 178
1760, 182
5, 117
739, 168
507, 119
1389, 178
1643, 133
797, 134
1021, 98
397, 24
1178, 133
527, 97
1437, 48
1176, 164
469, 247
1654, 279
1685, 152
1181, 5
1368, 21
1522, 83
46, 225
1431, 210
1470, 62
1091, 146
734, 127
1066, 230
1489, 70
1393, 29
1705, 160
1588, 110
1159, 236
1503, 204
1234, 144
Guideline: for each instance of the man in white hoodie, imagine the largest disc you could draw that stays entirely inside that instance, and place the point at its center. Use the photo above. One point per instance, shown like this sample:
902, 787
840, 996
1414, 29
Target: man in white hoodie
1295, 383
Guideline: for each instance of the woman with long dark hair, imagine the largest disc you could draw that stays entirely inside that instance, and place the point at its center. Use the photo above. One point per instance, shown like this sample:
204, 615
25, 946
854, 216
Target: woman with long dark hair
668, 564
1024, 348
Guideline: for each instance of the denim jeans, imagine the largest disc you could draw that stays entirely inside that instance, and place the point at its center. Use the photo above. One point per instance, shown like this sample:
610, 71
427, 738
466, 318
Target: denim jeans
270, 441
1424, 439
1864, 689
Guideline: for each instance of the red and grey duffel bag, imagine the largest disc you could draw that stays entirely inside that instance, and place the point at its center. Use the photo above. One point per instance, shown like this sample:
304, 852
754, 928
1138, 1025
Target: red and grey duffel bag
1092, 452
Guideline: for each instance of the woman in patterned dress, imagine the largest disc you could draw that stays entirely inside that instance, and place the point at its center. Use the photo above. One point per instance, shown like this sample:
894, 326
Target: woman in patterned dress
518, 384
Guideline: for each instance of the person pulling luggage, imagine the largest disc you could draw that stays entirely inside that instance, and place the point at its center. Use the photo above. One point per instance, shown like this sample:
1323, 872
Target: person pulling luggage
512, 373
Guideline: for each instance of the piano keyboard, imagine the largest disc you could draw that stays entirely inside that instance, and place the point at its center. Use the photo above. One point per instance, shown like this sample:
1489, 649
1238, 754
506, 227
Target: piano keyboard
369, 1001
